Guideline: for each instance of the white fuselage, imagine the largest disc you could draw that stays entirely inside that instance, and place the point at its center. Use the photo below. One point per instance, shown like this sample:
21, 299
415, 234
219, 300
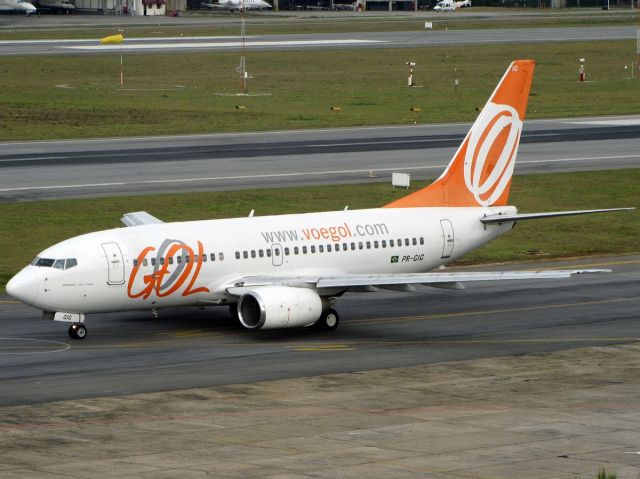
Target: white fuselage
20, 6
138, 267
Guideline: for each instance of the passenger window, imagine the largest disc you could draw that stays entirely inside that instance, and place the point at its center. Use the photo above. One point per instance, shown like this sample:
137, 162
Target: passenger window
296, 250
212, 256
304, 250
406, 241
161, 260
204, 258
421, 240
391, 243
237, 254
221, 256
253, 253
286, 251
187, 258
328, 248
399, 242
170, 259
268, 253
179, 259
153, 261
276, 251
320, 249
345, 246
368, 244
145, 262
245, 254
414, 242
261, 253
375, 244
353, 246
195, 258
313, 249
135, 263
384, 243
360, 245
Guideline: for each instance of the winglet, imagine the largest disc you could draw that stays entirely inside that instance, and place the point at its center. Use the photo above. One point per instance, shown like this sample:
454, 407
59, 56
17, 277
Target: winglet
480, 172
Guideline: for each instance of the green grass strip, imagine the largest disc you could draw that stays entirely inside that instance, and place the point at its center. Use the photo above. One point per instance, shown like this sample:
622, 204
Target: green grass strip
56, 97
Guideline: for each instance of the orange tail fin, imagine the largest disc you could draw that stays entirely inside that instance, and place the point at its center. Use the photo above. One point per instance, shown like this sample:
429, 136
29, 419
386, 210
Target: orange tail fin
480, 172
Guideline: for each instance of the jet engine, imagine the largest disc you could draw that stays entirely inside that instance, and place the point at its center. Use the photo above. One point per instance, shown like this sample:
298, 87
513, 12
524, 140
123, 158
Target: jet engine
275, 307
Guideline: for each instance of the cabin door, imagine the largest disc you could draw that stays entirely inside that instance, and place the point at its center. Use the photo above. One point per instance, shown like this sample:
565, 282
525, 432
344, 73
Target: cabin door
448, 239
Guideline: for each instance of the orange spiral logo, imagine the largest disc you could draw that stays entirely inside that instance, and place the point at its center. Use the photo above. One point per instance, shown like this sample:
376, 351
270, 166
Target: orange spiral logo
491, 152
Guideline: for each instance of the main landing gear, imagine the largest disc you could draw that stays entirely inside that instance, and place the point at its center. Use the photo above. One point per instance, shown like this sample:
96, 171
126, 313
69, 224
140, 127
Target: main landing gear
77, 331
329, 320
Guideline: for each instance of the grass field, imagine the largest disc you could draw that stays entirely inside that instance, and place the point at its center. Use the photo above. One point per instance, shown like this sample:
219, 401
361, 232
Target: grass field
28, 228
55, 97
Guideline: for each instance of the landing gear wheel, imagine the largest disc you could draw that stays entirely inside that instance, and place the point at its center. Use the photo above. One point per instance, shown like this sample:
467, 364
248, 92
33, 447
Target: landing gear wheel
77, 331
329, 321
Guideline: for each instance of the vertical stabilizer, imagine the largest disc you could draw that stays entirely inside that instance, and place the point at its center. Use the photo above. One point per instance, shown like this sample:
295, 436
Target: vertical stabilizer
480, 172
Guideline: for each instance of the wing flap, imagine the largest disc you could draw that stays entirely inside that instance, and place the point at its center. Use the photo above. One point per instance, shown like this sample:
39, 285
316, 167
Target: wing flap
330, 285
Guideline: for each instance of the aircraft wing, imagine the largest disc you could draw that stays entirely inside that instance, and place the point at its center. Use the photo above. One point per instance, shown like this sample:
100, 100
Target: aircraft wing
402, 282
550, 214
138, 218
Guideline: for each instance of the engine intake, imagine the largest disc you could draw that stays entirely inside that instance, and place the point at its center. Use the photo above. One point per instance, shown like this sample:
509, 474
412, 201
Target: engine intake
276, 307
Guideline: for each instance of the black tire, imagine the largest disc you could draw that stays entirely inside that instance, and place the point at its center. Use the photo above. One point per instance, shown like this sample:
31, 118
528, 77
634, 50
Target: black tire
77, 331
329, 320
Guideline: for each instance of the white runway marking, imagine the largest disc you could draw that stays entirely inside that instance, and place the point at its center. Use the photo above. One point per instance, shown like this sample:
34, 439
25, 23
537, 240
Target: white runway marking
614, 122
234, 44
292, 175
31, 346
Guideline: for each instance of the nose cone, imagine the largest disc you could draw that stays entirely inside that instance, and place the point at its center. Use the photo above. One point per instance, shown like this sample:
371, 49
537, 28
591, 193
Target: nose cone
24, 286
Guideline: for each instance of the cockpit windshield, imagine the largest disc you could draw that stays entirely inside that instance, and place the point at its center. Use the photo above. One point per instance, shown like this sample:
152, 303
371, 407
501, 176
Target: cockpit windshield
55, 263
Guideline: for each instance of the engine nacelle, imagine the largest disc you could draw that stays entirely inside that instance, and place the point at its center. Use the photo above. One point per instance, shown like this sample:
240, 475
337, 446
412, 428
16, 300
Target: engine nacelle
275, 307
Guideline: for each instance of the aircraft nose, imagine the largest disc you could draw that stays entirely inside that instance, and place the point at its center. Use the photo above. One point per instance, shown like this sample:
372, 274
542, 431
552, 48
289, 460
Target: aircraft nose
24, 286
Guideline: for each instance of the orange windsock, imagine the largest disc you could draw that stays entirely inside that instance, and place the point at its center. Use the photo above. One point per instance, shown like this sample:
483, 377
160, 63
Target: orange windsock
118, 38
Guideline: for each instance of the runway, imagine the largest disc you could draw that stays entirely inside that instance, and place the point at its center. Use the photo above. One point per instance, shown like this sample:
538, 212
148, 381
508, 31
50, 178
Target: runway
410, 39
127, 353
151, 165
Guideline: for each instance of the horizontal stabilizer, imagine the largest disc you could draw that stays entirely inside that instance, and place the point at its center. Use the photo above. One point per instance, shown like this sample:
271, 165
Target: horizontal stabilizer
550, 214
139, 218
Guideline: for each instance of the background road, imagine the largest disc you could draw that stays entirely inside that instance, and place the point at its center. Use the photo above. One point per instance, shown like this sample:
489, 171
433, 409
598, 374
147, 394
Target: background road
128, 353
322, 41
91, 168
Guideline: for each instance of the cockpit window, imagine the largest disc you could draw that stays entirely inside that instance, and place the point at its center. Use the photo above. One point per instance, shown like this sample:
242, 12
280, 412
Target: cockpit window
43, 262
55, 263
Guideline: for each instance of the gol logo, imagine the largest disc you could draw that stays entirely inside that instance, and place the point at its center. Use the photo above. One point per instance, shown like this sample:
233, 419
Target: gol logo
491, 152
161, 281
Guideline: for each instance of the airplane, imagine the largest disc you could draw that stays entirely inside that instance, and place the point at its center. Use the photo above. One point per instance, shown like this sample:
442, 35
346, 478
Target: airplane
286, 271
446, 6
238, 5
17, 6
60, 6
